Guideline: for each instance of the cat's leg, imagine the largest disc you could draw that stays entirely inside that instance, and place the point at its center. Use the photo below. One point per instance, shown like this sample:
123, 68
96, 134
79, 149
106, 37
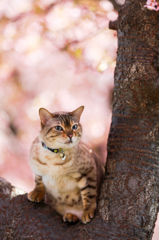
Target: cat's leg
69, 217
88, 187
37, 195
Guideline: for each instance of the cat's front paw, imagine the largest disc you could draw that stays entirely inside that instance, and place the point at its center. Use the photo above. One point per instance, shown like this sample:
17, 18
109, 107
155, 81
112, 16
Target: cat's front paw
36, 195
69, 217
87, 215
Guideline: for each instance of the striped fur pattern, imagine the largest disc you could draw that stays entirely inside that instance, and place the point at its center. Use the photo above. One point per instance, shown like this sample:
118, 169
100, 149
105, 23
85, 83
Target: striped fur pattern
70, 186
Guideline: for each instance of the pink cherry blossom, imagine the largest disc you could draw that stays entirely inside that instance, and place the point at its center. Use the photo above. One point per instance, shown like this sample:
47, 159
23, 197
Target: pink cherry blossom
152, 5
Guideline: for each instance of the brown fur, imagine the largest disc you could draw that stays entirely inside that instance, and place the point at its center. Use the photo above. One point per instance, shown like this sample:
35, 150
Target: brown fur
71, 186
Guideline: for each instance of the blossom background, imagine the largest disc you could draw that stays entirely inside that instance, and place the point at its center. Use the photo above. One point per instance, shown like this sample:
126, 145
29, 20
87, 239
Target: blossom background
58, 55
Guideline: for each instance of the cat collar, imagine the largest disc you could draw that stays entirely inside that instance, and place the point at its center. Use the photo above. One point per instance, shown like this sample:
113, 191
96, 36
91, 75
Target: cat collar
60, 150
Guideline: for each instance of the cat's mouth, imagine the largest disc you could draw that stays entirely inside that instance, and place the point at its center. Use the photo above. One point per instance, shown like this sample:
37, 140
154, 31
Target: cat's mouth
68, 142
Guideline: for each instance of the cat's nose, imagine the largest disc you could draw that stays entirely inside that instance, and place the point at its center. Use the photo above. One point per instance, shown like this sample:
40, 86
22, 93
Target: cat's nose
70, 135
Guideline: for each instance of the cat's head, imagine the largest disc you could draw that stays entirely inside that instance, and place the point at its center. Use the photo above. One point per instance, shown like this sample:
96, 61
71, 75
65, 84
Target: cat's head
60, 129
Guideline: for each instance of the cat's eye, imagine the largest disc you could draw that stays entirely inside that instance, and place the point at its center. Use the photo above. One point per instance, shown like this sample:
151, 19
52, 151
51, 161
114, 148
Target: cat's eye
75, 126
59, 128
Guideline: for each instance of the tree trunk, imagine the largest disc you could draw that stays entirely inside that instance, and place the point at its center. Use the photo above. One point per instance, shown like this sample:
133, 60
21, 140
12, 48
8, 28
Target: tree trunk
131, 191
128, 203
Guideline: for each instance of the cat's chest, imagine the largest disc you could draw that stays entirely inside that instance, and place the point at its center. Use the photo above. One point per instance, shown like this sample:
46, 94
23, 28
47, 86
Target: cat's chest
63, 183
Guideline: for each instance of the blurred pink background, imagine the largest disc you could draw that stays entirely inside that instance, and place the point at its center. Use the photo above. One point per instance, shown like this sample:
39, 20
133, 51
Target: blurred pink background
58, 55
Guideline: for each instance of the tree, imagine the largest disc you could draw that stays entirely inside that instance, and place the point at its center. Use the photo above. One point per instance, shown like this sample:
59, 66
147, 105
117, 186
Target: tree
128, 202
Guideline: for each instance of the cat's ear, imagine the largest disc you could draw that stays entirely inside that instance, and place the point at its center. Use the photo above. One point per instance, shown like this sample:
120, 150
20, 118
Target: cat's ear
77, 113
45, 116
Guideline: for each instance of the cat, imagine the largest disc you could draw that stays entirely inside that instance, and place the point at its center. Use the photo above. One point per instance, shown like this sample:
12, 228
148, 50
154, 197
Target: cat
67, 172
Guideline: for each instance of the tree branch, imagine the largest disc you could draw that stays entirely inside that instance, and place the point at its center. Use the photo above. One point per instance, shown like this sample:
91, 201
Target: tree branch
113, 25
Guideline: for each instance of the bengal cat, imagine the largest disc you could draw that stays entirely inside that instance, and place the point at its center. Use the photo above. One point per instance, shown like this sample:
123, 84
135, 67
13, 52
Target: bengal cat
67, 172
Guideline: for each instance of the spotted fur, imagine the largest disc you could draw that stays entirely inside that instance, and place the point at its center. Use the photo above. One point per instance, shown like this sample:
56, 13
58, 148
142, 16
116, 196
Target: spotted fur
70, 186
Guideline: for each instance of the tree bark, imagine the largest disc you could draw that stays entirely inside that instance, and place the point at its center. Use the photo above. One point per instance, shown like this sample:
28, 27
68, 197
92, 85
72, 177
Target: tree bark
128, 204
131, 190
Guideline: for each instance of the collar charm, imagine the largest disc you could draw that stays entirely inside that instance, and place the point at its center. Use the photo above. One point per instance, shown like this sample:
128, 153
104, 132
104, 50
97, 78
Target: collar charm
60, 150
63, 156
